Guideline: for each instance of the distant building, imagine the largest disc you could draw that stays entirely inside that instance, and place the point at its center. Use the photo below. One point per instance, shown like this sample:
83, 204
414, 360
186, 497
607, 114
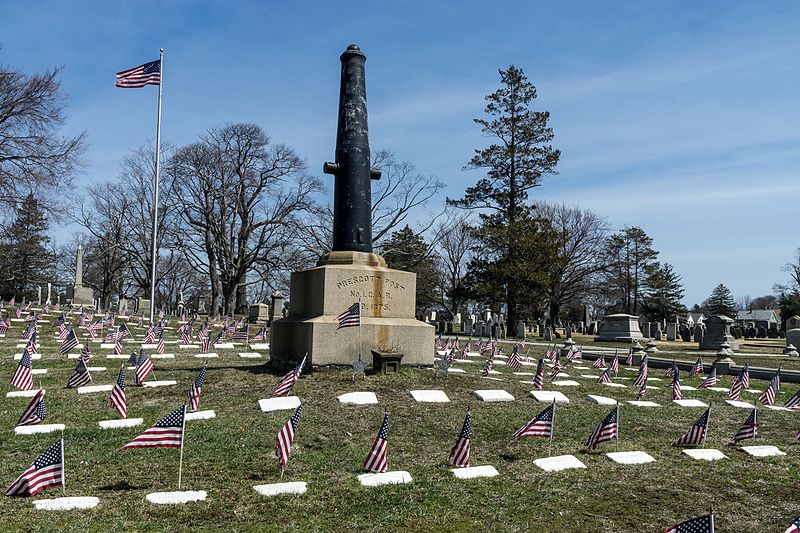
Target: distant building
765, 318
695, 319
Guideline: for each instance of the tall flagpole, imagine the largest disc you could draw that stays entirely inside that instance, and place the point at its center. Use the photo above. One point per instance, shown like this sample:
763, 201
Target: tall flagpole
155, 191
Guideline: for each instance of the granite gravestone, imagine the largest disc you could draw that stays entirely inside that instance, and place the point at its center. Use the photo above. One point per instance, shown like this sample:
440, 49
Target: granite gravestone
77, 293
619, 328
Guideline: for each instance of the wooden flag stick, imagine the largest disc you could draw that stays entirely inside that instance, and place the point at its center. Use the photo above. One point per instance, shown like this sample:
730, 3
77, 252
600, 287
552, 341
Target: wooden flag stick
755, 420
183, 432
63, 467
282, 469
552, 428
708, 421
616, 436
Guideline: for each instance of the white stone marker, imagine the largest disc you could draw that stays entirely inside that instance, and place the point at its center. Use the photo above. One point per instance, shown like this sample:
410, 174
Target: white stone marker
523, 373
250, 355
274, 489
108, 345
163, 356
162, 383
754, 391
96, 368
200, 415
188, 346
493, 395
705, 454
260, 346
456, 371
280, 403
630, 458
558, 463
430, 396
34, 357
121, 423
117, 356
718, 389
547, 396
224, 346
689, 403
649, 379
643, 403
687, 387
39, 428
615, 385
148, 346
737, 403
358, 398
22, 393
472, 472
209, 355
602, 400
66, 503
176, 497
89, 389
397, 477
39, 371
777, 408
762, 451
566, 383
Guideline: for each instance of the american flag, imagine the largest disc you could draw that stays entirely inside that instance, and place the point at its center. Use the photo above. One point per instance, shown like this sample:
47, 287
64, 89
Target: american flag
768, 396
736, 388
241, 334
350, 318
376, 458
29, 331
540, 425
69, 343
117, 398
261, 335
123, 331
196, 389
794, 527
671, 370
744, 375
539, 378
218, 338
80, 376
205, 344
794, 401
31, 347
676, 385
63, 332
697, 369
23, 377
166, 433
600, 362
642, 390
46, 471
285, 437
749, 429
605, 431
459, 454
34, 412
577, 354
143, 368
642, 374
146, 74
605, 377
615, 364
118, 346
557, 368
161, 345
696, 434
149, 335
186, 334
629, 360
286, 383
514, 360
710, 380
701, 524
487, 368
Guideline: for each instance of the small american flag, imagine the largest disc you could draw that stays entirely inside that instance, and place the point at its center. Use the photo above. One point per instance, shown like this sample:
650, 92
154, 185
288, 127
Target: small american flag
487, 368
285, 437
605, 377
671, 370
736, 388
287, 382
768, 396
676, 385
794, 527
642, 390
118, 346
205, 344
749, 429
459, 454
143, 368
69, 343
701, 524
196, 389
696, 434
161, 346
241, 334
261, 335
600, 362
794, 401
540, 425
615, 364
350, 318
46, 471
539, 378
23, 377
376, 458
32, 346
149, 335
744, 375
146, 74
605, 431
166, 433
710, 380
35, 411
80, 376
117, 398
514, 361
697, 369
629, 360
86, 353
642, 374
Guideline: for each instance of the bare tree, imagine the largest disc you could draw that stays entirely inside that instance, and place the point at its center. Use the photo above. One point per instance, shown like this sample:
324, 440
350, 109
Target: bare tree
453, 251
33, 157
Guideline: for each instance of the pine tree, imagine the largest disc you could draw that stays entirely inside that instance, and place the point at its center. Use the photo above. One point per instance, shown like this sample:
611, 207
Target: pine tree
630, 255
663, 293
405, 250
26, 259
720, 302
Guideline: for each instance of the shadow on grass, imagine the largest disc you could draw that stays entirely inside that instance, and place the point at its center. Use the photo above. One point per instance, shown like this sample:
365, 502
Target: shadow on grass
122, 485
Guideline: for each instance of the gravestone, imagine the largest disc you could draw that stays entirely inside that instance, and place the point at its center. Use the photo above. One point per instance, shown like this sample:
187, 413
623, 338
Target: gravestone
793, 337
351, 272
686, 333
619, 328
655, 332
698, 334
258, 313
521, 330
275, 306
568, 332
717, 333
548, 333
793, 322
672, 331
143, 306
77, 293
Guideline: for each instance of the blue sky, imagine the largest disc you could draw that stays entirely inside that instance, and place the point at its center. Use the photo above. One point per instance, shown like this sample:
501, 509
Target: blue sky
681, 118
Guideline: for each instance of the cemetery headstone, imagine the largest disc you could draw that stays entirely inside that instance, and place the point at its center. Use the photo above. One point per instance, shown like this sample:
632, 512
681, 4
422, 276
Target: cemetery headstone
672, 331
619, 328
718, 331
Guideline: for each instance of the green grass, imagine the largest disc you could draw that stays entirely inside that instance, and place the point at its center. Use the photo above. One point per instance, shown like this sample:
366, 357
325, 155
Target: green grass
227, 455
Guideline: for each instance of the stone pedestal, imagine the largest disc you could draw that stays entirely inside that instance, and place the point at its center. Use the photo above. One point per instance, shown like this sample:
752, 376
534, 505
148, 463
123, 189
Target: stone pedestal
80, 295
619, 328
718, 332
258, 313
320, 294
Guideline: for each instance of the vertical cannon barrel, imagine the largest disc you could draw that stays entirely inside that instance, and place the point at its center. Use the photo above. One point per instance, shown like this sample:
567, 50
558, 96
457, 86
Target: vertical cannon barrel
352, 197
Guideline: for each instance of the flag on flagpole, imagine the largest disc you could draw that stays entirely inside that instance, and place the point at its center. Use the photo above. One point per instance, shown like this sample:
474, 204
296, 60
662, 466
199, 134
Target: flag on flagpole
794, 401
676, 385
794, 527
46, 471
696, 433
146, 74
744, 375
514, 360
749, 429
285, 385
69, 343
642, 390
605, 377
768, 396
161, 346
540, 425
697, 369
285, 437
23, 377
710, 380
35, 411
460, 453
376, 458
600, 362
605, 431
539, 378
350, 317
166, 433
80, 376
118, 399
143, 368
615, 364
195, 389
701, 524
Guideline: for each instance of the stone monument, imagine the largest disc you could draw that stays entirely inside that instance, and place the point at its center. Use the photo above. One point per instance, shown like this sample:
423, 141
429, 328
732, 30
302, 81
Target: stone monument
351, 273
718, 332
77, 293
619, 328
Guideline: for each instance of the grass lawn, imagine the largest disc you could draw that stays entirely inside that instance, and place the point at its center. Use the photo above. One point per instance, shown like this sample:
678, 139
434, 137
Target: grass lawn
227, 455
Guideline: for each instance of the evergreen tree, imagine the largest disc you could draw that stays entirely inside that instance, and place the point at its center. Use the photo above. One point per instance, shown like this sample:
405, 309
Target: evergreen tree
405, 250
514, 165
26, 256
630, 255
663, 293
720, 302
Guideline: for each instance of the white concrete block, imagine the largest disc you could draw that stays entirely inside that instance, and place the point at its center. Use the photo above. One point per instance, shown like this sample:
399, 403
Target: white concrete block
643, 403
39, 428
34, 357
547, 396
472, 472
630, 458
90, 389
762, 451
121, 423
389, 478
161, 383
565, 383
188, 346
524, 373
209, 355
754, 391
558, 463
259, 346
456, 371
614, 385
280, 403
224, 346
250, 355
705, 454
274, 489
22, 393
689, 403
358, 398
737, 403
430, 396
176, 497
39, 371
777, 408
200, 415
66, 503
493, 395
96, 368
602, 400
